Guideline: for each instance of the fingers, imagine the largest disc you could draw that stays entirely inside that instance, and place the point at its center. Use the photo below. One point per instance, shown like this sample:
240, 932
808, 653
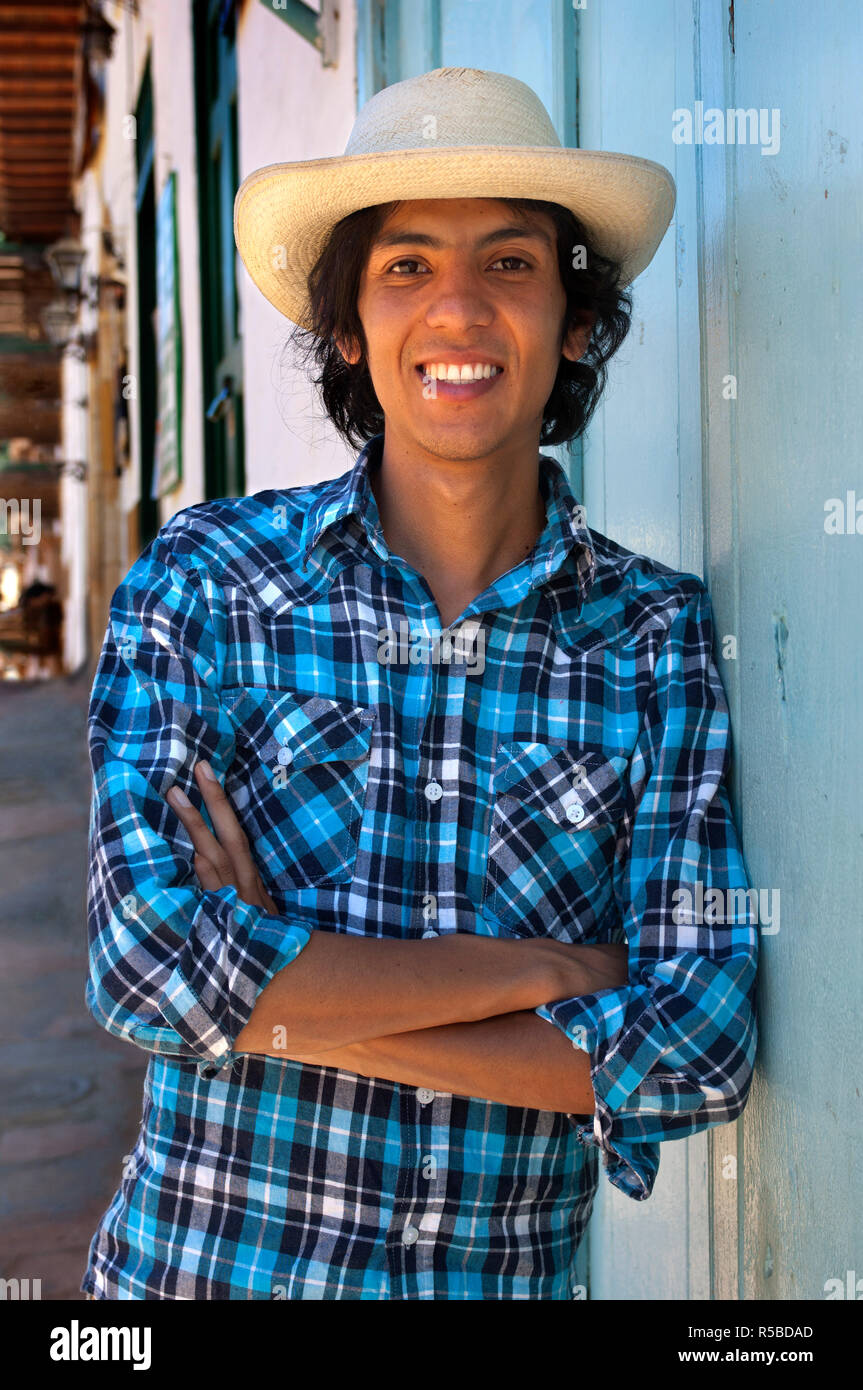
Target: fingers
223, 858
235, 858
203, 840
226, 853
268, 904
211, 880
208, 877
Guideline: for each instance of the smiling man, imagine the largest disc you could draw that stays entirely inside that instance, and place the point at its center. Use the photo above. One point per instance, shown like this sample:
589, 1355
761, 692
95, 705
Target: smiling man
407, 960
464, 345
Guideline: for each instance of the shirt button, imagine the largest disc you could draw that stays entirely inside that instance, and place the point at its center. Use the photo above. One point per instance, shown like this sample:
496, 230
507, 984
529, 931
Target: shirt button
575, 812
434, 791
430, 931
424, 1095
285, 756
410, 1235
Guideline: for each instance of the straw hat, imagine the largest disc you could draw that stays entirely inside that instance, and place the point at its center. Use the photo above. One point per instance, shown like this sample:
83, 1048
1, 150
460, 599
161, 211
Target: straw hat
450, 133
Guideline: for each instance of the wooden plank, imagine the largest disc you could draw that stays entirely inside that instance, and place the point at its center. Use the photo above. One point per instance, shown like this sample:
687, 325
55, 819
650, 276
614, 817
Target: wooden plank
36, 85
38, 199
24, 18
38, 41
42, 155
41, 229
19, 125
643, 487
51, 168
25, 103
15, 60
798, 441
39, 226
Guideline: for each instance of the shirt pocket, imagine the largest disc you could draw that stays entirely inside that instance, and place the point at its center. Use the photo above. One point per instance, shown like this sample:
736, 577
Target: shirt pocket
552, 840
300, 778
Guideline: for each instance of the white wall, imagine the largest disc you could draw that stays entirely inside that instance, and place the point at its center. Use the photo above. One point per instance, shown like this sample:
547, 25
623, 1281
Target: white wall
175, 148
116, 177
73, 510
290, 108
163, 28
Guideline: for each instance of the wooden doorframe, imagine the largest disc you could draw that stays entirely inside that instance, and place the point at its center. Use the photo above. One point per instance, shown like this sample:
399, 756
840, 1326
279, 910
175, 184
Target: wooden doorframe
145, 233
216, 102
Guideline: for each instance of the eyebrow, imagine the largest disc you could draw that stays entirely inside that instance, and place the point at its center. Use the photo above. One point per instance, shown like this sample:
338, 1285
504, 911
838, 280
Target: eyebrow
404, 236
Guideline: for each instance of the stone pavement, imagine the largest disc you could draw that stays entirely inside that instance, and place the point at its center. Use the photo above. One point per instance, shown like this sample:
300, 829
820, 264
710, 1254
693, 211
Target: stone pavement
70, 1094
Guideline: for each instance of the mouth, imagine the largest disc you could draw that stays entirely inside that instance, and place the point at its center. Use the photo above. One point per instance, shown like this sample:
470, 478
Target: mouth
454, 382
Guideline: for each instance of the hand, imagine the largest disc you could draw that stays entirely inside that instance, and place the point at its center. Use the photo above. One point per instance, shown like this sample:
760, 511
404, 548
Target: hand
227, 860
607, 966
582, 968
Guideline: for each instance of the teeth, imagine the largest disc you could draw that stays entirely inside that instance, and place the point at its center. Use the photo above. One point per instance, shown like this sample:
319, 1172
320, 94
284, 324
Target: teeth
441, 371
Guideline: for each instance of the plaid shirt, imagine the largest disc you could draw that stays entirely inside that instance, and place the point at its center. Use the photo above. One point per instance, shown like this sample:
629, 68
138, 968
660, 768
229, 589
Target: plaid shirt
560, 770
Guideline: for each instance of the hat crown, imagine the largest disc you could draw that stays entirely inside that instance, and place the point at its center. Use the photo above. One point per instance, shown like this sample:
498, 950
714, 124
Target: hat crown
451, 107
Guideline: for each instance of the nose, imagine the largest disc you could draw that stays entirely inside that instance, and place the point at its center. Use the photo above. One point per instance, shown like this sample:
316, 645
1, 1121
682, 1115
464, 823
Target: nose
460, 298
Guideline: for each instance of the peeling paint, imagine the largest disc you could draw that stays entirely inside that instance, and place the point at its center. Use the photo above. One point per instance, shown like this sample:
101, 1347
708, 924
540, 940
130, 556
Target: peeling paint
780, 639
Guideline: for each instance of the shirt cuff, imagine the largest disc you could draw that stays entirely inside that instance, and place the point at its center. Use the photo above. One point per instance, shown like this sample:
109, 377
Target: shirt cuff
211, 993
618, 1032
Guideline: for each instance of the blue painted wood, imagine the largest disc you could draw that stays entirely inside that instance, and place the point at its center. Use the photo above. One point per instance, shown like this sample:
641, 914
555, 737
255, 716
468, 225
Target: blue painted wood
790, 592
642, 469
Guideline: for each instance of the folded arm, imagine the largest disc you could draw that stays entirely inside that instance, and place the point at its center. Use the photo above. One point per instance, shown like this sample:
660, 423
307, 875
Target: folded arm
448, 1013
346, 989
514, 1059
355, 989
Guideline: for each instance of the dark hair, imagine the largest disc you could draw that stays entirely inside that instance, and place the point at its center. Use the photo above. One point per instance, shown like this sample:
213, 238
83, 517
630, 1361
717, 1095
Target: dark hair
347, 392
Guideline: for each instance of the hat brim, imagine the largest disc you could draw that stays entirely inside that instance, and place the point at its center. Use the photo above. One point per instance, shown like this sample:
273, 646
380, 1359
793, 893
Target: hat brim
283, 213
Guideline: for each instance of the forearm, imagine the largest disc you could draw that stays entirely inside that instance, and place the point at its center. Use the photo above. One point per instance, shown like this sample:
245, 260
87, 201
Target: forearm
514, 1059
343, 989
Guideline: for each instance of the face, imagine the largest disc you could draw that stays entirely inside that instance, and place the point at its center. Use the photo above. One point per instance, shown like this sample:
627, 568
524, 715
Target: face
457, 281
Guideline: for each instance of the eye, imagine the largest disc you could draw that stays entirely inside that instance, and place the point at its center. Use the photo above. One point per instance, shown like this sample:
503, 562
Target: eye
406, 261
409, 261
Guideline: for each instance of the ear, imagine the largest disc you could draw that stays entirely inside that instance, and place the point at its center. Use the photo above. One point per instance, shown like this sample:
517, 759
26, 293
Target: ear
576, 342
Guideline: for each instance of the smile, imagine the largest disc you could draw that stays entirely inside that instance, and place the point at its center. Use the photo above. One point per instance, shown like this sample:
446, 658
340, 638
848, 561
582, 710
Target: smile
443, 381
443, 371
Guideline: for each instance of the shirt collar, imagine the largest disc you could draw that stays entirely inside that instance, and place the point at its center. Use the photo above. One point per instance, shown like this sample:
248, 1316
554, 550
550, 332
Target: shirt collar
565, 529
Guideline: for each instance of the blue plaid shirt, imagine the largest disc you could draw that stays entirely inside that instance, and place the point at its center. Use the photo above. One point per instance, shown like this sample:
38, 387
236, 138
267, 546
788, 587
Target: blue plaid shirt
557, 769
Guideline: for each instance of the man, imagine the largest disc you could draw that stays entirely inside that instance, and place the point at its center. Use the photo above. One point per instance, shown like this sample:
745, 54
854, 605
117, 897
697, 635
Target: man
420, 960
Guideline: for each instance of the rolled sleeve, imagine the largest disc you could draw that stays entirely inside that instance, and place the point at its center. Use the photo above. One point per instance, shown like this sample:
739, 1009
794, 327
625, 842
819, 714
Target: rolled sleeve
673, 1052
172, 968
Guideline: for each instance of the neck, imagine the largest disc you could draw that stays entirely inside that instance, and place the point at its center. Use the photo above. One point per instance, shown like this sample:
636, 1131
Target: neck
460, 523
